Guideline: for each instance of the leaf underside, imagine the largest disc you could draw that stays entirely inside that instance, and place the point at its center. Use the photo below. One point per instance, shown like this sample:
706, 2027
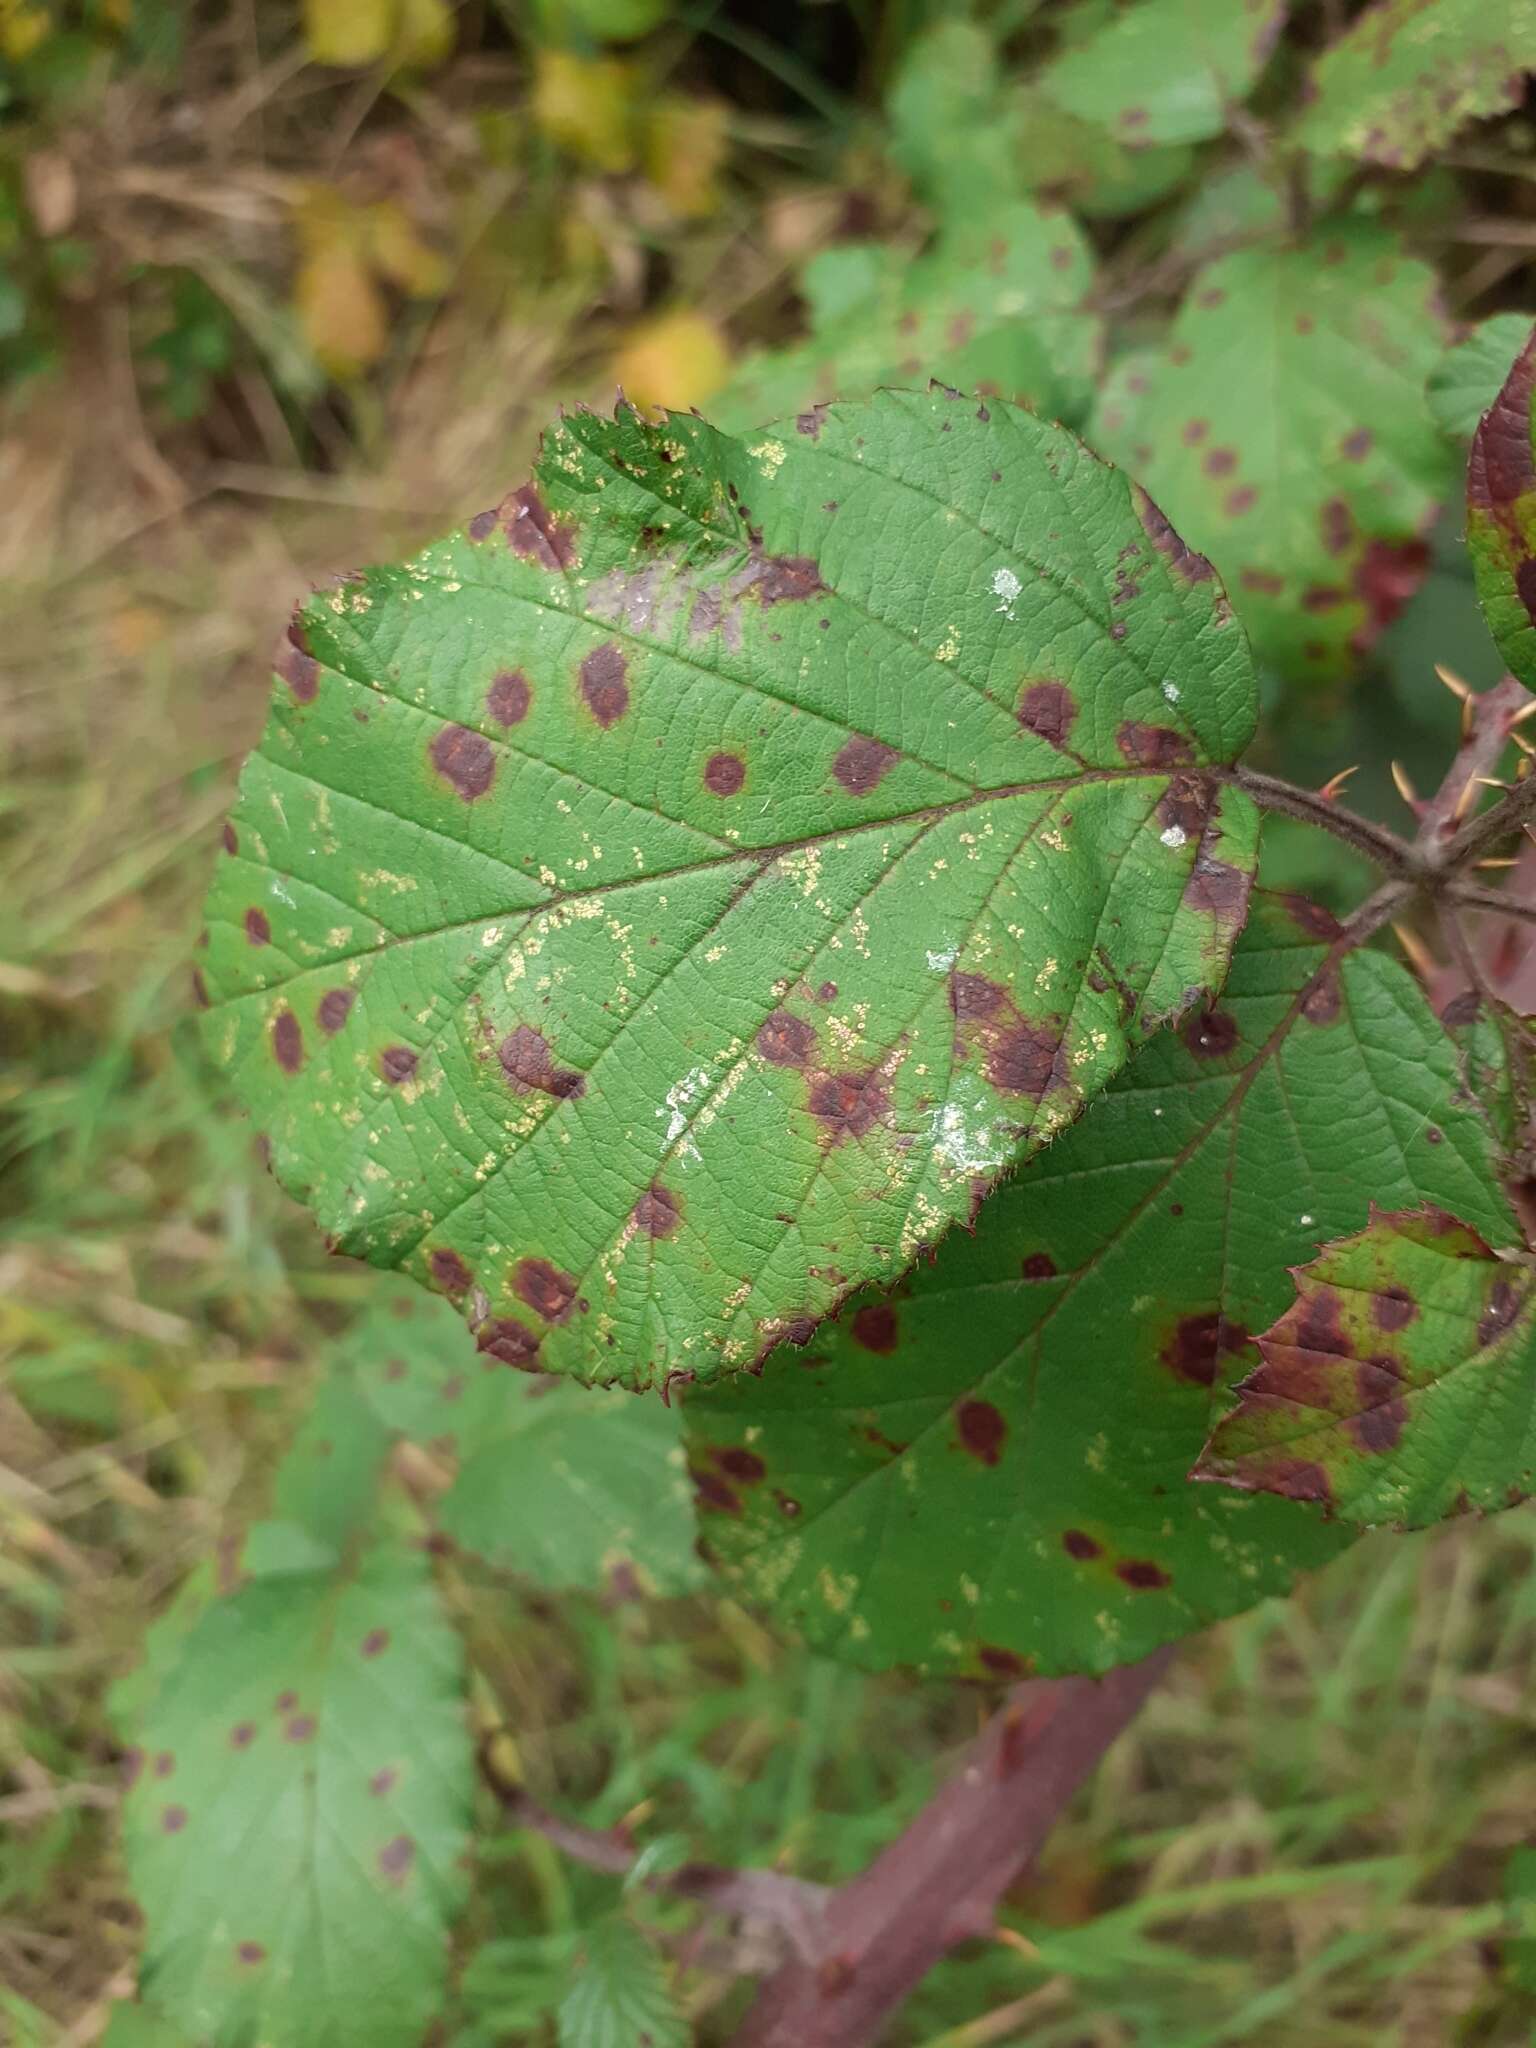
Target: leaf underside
676, 900
1401, 1384
1409, 73
984, 1471
1284, 430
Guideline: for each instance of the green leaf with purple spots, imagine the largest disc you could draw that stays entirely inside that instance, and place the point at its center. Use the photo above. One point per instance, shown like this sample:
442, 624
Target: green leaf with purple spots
995, 307
675, 900
1167, 71
1408, 74
299, 1810
1284, 429
1401, 1385
984, 1471
1501, 516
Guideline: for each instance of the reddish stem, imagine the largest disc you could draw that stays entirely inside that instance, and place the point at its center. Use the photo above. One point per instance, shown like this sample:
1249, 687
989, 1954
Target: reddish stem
940, 1881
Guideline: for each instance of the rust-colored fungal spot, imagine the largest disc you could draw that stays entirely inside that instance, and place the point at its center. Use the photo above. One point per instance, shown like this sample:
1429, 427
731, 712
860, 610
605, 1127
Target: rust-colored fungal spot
287, 1042
861, 764
250, 1953
787, 579
381, 1782
165, 1763
848, 1105
1152, 746
712, 1493
827, 993
1142, 1575
132, 1766
1197, 1344
450, 1272
1264, 581
724, 774
1079, 1544
547, 1291
1220, 462
300, 1729
658, 1211
1356, 446
1324, 998
242, 1735
1048, 710
1497, 1317
1195, 432
333, 1009
982, 1429
527, 1063
510, 1341
875, 1327
286, 1702
296, 665
785, 1040
1242, 500
397, 1063
739, 1463
173, 1819
1393, 1308
465, 760
973, 995
1383, 1414
1337, 525
1312, 919
1210, 1034
257, 928
1182, 560
1218, 887
1001, 1663
397, 1856
375, 1642
533, 534
1028, 1059
1037, 1266
605, 683
228, 835
509, 696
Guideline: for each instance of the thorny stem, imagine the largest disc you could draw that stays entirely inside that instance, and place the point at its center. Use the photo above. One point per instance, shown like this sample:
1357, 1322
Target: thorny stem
1374, 841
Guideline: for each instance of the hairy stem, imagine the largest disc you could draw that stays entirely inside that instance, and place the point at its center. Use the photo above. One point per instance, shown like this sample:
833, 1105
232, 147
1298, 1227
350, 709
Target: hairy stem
940, 1881
1372, 841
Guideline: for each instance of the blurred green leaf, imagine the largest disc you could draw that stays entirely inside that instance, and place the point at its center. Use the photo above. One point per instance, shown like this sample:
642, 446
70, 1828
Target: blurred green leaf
1166, 71
1467, 378
619, 1998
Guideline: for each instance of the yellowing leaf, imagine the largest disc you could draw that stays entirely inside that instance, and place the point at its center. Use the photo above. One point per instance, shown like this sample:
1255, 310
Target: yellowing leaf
587, 105
676, 360
22, 28
347, 31
400, 254
340, 309
685, 145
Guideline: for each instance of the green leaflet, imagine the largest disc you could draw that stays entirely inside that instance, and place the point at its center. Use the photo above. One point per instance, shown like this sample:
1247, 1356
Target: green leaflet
299, 1811
983, 1472
620, 1998
675, 900
1501, 517
1167, 70
993, 308
1284, 430
1467, 379
1401, 1387
1409, 73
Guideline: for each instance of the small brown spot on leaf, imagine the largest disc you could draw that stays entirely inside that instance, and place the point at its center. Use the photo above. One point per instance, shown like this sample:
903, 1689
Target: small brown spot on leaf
1356, 446
785, 1040
547, 1291
1313, 919
132, 1766
200, 993
1195, 432
827, 993
300, 1729
1220, 462
450, 1272
173, 1819
381, 1782
786, 579
1142, 1575
1337, 524
1037, 1266
724, 774
375, 1642
296, 665
397, 1063
231, 842
286, 1702
533, 534
397, 1856
1027, 1059
333, 1009
862, 764
658, 1211
1242, 500
1210, 1034
1002, 1663
740, 1463
510, 1341
1496, 1318
875, 1327
509, 696
1079, 1544
848, 1105
1393, 1308
257, 929
1324, 999
1383, 1414
527, 1063
973, 995
605, 683
712, 1493
1048, 710
482, 526
1152, 746
250, 1953
242, 1735
465, 760
983, 1431
287, 1042
1197, 1344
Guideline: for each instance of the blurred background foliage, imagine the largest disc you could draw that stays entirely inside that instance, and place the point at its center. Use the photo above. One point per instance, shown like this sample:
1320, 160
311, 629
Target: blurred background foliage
285, 286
